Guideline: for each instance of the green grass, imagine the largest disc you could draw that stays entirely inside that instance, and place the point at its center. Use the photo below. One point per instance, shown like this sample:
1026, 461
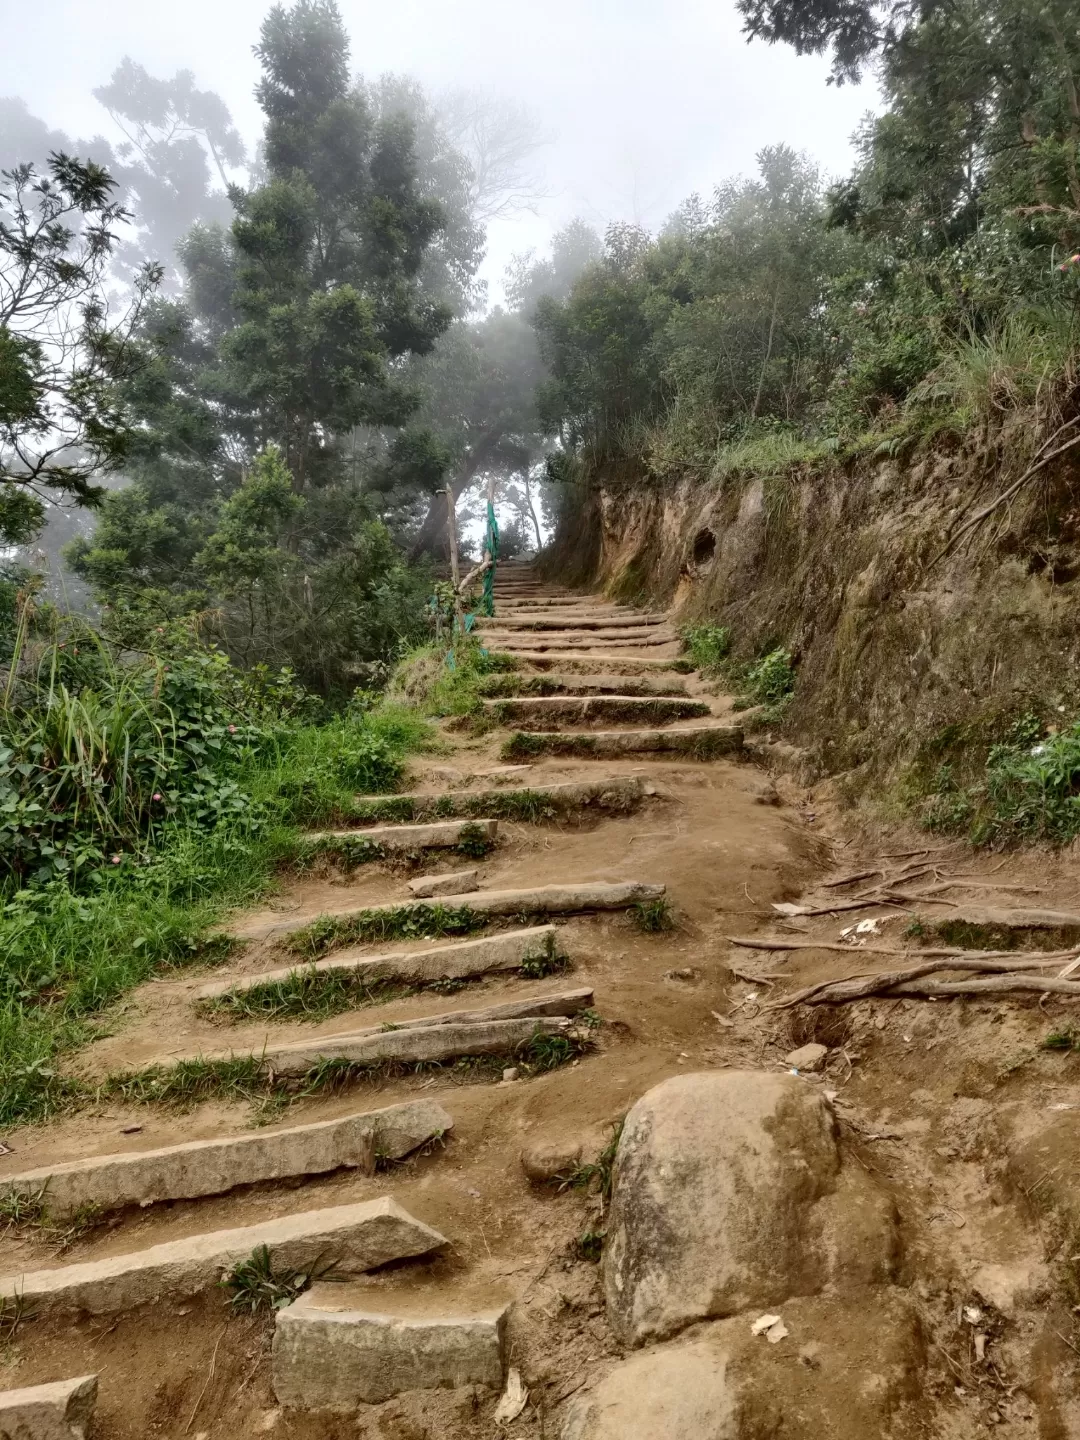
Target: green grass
653, 916
707, 647
416, 919
349, 851
1001, 781
525, 806
67, 955
257, 1284
246, 1078
310, 994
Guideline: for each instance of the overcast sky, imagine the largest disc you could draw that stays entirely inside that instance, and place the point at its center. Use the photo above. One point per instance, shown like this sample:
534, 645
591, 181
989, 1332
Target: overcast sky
645, 100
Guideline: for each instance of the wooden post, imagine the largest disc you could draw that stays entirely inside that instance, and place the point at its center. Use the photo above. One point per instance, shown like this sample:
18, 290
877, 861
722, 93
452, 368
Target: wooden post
455, 571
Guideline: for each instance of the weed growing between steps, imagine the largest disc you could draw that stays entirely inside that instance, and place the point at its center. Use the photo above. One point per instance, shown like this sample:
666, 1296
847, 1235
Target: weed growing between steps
318, 994
526, 806
257, 1284
414, 920
349, 851
248, 1078
707, 647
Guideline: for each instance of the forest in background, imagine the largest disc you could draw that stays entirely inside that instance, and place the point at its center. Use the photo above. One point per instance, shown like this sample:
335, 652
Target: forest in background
259, 374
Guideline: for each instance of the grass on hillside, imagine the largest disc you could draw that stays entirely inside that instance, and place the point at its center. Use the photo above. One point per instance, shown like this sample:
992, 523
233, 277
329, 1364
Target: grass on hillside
68, 952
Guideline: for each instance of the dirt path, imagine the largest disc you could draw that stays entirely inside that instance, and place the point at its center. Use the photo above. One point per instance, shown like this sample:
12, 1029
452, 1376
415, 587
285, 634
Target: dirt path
949, 1104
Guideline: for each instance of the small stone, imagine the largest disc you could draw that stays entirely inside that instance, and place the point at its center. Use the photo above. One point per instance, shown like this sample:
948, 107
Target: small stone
511, 1073
766, 794
447, 773
544, 1162
454, 882
807, 1057
268, 1422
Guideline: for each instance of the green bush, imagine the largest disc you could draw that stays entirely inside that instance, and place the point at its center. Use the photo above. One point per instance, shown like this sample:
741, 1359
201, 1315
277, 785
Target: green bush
769, 682
707, 646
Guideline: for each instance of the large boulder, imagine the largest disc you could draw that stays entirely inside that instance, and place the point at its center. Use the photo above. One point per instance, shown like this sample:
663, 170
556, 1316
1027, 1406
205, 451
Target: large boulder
716, 1178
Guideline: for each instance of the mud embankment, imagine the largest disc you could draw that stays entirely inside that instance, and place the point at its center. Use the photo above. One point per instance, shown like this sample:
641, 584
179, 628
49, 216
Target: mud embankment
893, 645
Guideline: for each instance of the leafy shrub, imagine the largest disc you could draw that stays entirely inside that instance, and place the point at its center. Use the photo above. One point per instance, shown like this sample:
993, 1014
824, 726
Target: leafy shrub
768, 682
707, 646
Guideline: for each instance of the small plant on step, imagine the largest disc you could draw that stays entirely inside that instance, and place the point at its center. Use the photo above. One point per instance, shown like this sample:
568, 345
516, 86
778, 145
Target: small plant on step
590, 1245
653, 916
473, 842
707, 647
540, 966
255, 1284
770, 683
598, 1176
20, 1209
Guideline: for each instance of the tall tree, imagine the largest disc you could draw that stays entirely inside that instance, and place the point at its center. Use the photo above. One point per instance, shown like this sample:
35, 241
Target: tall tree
64, 352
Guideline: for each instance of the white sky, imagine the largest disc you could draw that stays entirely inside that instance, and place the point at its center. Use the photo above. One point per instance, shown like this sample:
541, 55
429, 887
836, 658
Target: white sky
647, 100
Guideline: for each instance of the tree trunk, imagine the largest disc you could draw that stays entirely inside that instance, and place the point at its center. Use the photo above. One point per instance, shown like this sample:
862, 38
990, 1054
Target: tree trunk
433, 529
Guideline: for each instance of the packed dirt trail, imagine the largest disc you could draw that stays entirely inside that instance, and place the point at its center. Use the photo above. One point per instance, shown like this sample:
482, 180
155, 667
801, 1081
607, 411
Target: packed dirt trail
902, 1197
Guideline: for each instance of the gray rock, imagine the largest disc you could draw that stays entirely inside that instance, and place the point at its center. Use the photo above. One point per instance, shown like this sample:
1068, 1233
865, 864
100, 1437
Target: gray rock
715, 1179
339, 1346
61, 1411
454, 882
679, 1392
807, 1057
547, 1161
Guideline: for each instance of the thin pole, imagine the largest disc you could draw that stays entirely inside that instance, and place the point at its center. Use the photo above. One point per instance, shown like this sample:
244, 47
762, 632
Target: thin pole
455, 571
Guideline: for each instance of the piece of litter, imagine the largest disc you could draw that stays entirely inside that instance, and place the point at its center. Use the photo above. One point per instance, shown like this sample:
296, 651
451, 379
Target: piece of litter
776, 1333
972, 1314
722, 1020
980, 1347
514, 1399
785, 907
763, 1323
6, 1149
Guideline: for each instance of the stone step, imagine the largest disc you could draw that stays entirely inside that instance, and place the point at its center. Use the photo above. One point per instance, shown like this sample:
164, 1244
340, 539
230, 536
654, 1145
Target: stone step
353, 1238
401, 839
518, 645
211, 1167
411, 1044
699, 742
541, 711
542, 900
505, 687
586, 621
614, 792
594, 662
62, 1410
339, 1346
508, 950
571, 636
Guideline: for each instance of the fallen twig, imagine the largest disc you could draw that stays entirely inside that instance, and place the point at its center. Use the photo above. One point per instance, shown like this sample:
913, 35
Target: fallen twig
849, 879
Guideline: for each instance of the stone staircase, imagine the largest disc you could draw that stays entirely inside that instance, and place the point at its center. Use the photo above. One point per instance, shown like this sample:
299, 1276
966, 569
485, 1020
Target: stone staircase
613, 694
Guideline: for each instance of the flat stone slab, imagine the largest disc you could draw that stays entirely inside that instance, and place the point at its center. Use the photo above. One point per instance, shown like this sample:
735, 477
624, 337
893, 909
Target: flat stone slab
593, 661
411, 1043
341, 1346
583, 621
60, 1411
211, 1167
355, 1237
436, 835
454, 882
504, 687
527, 711
506, 951
569, 639
615, 792
543, 900
701, 742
